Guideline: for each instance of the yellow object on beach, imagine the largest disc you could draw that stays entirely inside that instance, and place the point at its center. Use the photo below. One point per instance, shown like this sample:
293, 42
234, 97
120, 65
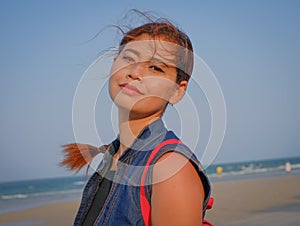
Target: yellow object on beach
219, 170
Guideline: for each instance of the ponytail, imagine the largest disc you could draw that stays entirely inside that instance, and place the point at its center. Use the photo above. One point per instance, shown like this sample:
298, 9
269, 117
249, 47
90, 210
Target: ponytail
78, 155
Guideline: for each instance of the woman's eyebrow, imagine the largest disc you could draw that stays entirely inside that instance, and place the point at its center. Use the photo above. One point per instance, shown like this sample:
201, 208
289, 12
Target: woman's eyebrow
159, 61
167, 64
133, 51
138, 54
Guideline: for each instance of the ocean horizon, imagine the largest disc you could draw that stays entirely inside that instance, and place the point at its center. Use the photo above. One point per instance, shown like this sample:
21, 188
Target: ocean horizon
23, 194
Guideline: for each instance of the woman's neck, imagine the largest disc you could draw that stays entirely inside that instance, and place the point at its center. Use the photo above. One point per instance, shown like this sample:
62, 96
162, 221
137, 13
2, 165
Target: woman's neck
130, 128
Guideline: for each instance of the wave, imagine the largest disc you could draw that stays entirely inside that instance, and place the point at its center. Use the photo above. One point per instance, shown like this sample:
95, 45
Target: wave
79, 183
295, 166
15, 196
251, 170
41, 194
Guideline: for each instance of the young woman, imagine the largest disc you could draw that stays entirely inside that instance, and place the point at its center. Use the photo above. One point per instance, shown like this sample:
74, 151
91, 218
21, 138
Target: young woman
147, 176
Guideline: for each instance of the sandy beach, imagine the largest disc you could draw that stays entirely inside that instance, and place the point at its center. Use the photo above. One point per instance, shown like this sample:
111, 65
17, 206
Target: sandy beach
269, 201
46, 215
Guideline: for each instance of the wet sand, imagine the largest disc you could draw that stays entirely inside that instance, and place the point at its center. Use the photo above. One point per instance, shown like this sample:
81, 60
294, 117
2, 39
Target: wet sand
269, 201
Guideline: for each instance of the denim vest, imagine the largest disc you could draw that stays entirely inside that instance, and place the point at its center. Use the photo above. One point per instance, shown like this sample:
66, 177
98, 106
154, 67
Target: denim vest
122, 206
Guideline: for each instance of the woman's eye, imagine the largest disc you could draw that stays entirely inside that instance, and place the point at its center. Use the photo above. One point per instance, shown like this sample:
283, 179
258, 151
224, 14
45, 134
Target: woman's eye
156, 68
128, 59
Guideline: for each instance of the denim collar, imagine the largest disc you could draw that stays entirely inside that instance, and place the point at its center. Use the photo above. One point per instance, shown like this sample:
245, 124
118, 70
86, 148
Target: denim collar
148, 139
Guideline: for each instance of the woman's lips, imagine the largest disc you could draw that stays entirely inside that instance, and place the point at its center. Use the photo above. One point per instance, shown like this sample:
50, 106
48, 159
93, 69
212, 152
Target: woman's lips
130, 89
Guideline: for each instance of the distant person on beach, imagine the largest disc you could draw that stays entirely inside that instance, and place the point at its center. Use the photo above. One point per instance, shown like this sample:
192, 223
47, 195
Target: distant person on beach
288, 167
147, 175
219, 170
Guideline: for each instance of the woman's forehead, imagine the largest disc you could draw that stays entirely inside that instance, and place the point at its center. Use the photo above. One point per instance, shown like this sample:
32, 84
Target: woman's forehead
152, 49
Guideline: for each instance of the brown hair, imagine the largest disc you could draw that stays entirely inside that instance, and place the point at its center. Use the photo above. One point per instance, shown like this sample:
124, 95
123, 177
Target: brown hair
77, 155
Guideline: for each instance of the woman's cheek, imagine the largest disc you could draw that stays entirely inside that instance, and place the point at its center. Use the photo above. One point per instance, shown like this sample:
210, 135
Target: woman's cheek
161, 89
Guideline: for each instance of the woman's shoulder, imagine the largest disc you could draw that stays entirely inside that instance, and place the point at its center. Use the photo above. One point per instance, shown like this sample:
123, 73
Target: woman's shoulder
177, 158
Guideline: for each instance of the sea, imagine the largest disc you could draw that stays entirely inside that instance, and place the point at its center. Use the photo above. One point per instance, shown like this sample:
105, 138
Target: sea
19, 195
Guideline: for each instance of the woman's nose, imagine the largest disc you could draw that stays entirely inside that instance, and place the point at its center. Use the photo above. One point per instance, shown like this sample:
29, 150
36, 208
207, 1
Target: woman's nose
135, 72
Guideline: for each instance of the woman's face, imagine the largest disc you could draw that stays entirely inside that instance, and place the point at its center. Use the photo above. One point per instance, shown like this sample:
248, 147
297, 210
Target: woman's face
143, 76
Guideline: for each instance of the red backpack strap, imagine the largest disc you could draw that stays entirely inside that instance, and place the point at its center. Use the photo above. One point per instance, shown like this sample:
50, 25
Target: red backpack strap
206, 223
210, 203
145, 206
209, 206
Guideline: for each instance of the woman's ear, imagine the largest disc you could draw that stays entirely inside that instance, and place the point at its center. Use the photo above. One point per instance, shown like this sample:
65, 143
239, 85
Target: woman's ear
178, 93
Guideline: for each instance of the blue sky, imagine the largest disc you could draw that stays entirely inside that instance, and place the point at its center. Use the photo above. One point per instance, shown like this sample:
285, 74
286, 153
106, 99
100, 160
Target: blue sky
251, 46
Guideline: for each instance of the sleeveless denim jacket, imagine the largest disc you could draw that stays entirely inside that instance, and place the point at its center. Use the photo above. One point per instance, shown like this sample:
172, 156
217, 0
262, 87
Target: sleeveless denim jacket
122, 206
